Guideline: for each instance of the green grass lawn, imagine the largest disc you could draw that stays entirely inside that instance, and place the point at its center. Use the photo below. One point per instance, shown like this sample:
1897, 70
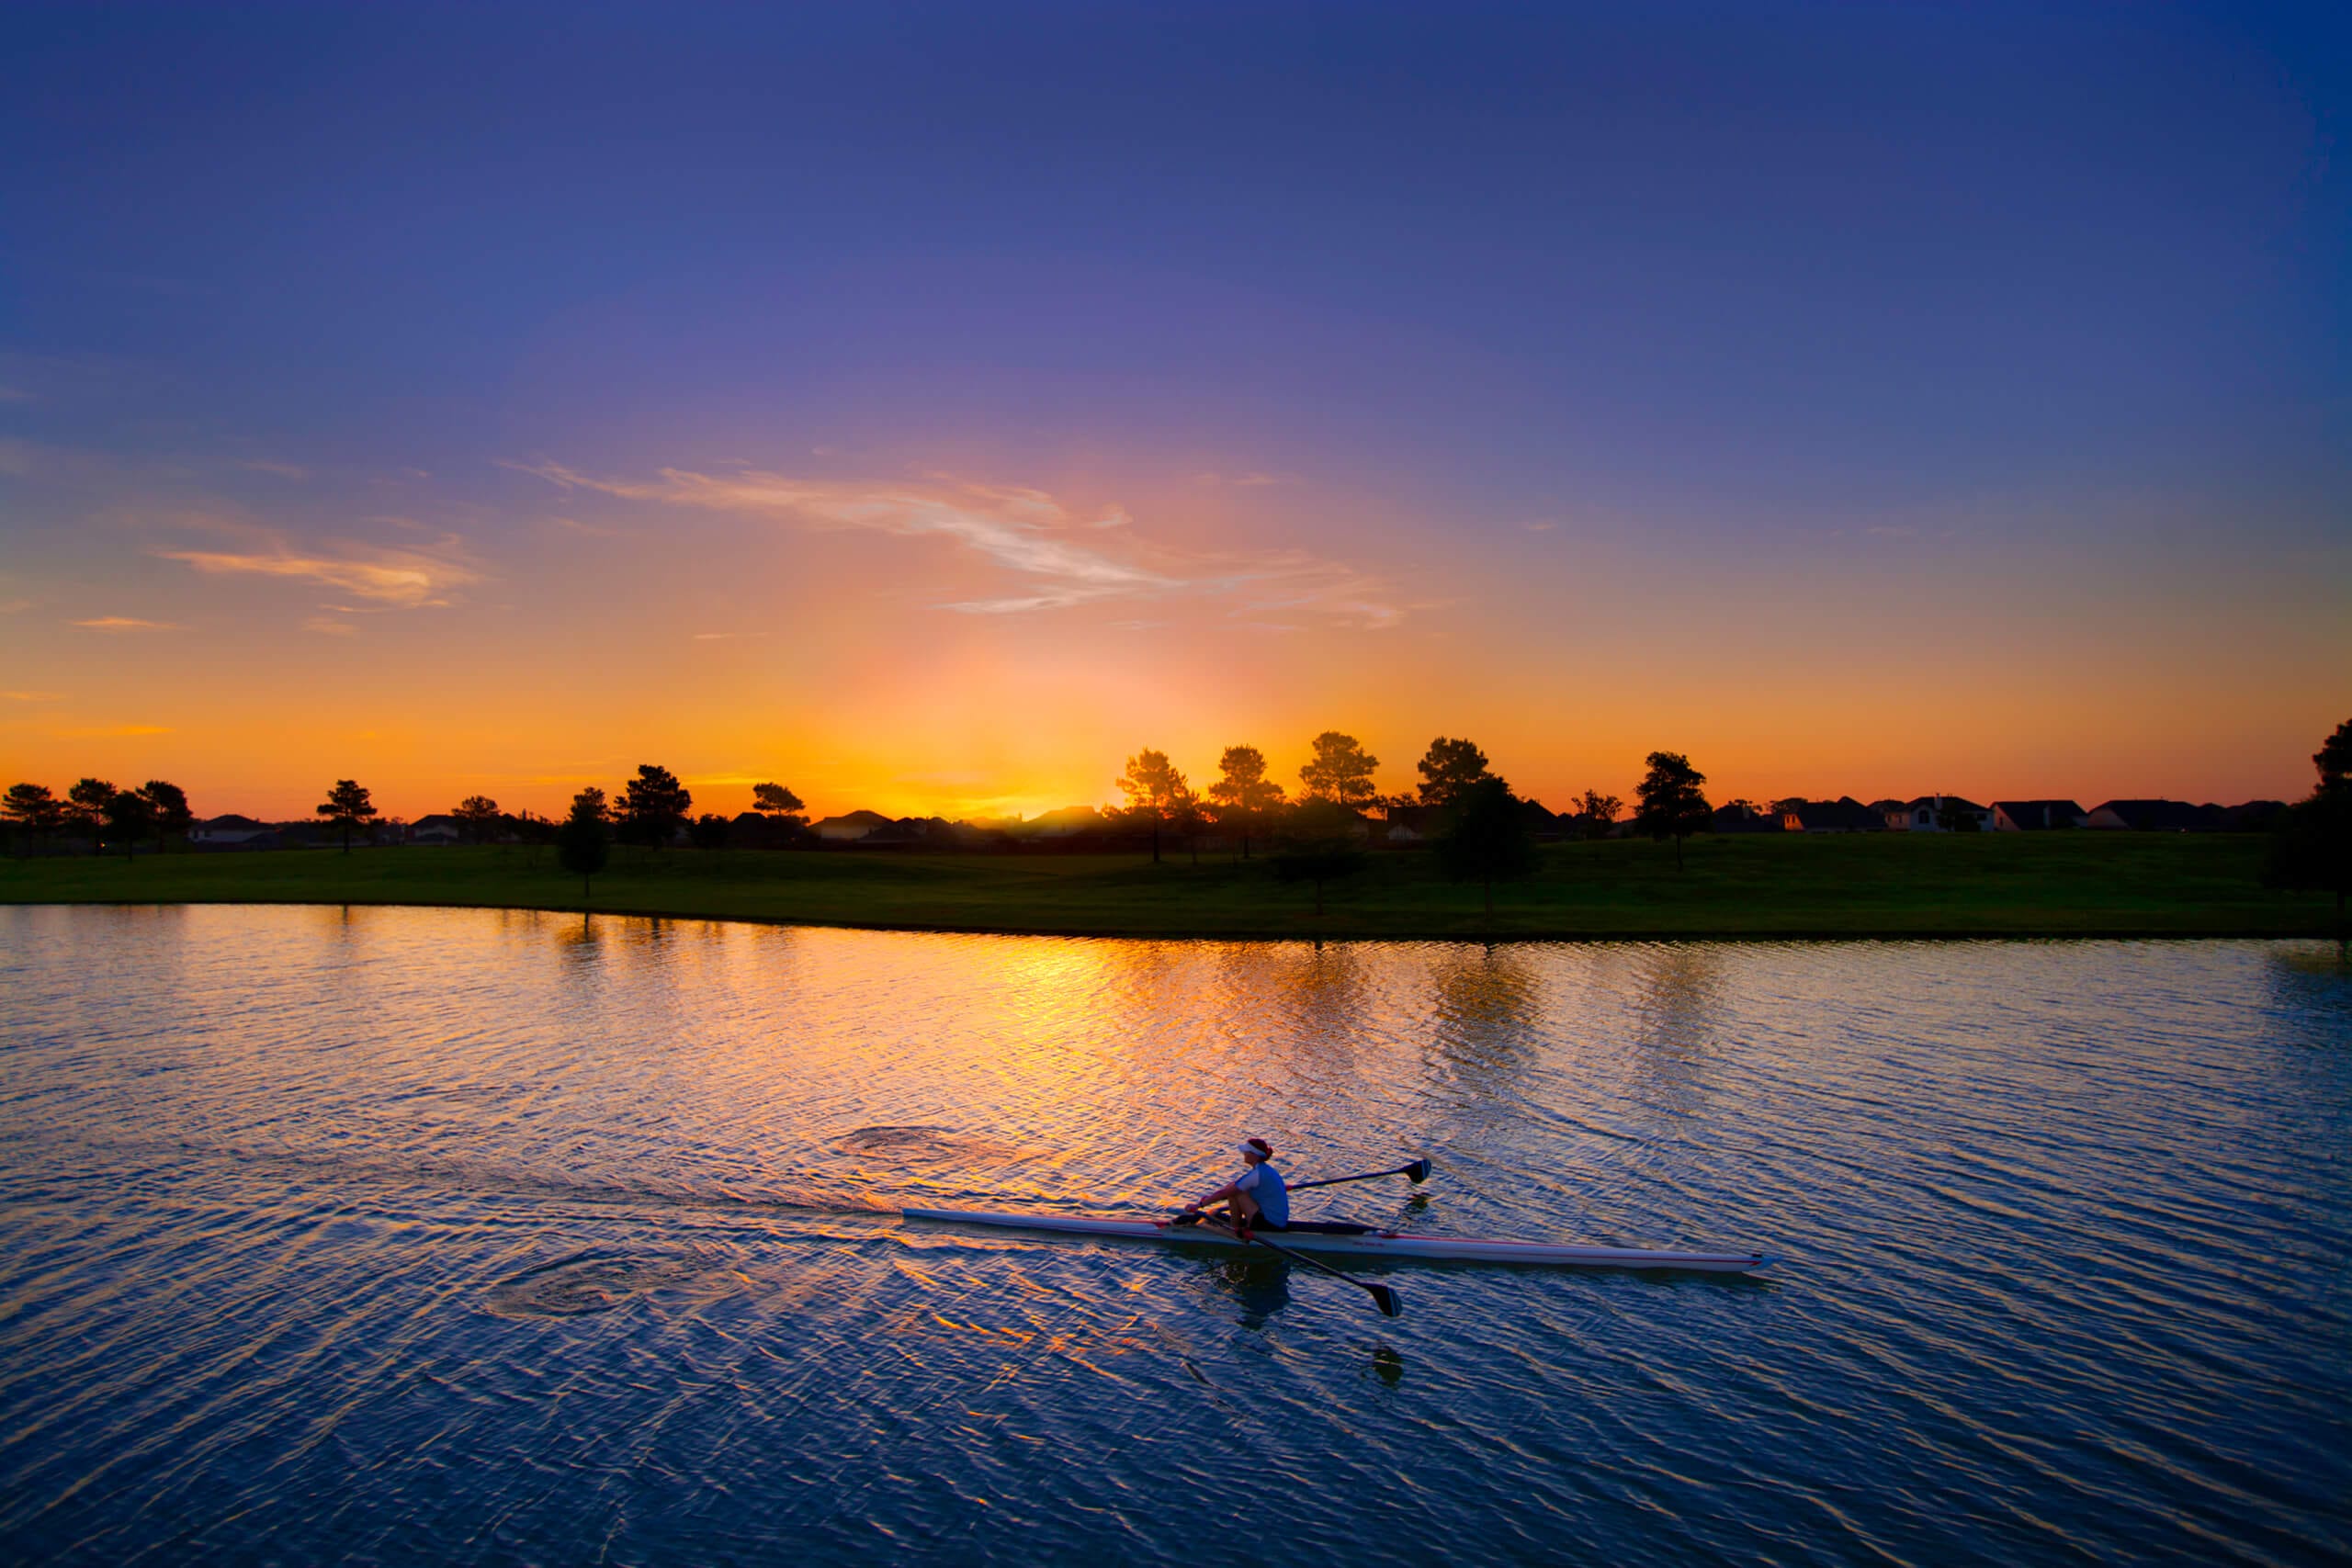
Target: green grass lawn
1761, 886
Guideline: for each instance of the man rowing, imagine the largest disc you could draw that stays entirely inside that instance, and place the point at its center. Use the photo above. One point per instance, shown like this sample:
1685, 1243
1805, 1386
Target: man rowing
1255, 1198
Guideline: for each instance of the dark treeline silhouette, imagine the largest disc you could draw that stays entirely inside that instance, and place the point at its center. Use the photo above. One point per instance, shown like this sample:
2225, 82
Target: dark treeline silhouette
1475, 827
95, 814
2311, 847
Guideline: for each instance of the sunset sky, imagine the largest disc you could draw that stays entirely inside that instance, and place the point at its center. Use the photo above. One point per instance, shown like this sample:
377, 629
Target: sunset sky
928, 406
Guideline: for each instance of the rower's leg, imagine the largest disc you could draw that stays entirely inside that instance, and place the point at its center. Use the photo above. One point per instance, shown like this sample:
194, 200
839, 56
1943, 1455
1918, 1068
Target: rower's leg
1245, 1211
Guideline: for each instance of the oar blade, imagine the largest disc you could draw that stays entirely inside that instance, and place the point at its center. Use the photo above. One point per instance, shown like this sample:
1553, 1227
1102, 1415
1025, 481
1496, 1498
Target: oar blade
1386, 1299
1417, 1172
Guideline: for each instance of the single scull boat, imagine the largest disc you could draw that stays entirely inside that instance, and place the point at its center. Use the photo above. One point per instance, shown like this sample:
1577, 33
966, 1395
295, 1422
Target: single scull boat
1352, 1241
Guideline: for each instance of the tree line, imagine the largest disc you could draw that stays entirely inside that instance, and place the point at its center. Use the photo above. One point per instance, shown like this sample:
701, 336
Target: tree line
1338, 777
95, 809
1335, 778
1336, 788
1476, 823
2311, 849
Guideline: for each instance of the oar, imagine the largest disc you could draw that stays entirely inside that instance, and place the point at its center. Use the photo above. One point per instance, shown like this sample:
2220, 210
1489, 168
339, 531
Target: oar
1418, 1172
1382, 1296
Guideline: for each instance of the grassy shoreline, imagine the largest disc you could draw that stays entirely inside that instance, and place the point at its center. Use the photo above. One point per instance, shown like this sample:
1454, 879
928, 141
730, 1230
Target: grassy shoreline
1764, 886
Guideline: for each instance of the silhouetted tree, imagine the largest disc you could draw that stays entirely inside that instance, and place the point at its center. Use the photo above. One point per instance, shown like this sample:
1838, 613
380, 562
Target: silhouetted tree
709, 831
1599, 813
1243, 796
172, 815
583, 840
86, 808
1187, 821
1671, 805
130, 817
1448, 768
1157, 793
1340, 771
36, 813
478, 818
1317, 845
1488, 840
347, 806
778, 803
2334, 760
655, 807
2311, 848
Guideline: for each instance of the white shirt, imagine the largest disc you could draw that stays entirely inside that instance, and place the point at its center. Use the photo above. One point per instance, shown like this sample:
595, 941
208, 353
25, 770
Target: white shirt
1265, 1184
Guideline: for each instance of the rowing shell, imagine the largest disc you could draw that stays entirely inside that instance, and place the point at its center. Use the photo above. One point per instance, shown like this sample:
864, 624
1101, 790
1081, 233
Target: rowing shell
1370, 1244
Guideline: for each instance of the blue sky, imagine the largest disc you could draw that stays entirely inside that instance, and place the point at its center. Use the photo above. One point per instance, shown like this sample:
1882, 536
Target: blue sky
1875, 300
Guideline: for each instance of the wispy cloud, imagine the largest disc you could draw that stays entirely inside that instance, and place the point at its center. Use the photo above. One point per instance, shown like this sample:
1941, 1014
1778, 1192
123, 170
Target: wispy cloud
283, 470
1014, 528
326, 625
724, 637
405, 579
118, 731
12, 606
31, 697
1028, 533
126, 624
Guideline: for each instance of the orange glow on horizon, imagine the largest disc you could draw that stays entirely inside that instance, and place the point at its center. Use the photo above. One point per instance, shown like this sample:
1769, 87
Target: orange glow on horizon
929, 647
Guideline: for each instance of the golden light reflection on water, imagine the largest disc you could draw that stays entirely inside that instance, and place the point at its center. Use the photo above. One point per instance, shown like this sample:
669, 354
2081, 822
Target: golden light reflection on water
608, 1198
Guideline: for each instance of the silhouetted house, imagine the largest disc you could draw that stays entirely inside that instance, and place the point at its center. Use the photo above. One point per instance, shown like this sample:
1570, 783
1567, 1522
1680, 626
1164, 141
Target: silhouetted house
440, 828
1541, 824
851, 827
232, 832
1419, 824
2157, 817
2254, 817
2035, 816
760, 831
1067, 821
1843, 815
1739, 817
1926, 815
1414, 824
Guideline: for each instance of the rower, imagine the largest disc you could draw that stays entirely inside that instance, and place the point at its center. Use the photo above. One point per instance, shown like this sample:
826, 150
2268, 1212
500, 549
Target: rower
1256, 1197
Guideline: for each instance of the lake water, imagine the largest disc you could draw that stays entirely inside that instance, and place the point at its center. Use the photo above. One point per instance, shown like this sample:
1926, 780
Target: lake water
387, 1234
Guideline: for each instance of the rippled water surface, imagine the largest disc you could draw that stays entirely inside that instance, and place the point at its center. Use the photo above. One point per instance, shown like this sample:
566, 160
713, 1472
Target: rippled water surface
504, 1237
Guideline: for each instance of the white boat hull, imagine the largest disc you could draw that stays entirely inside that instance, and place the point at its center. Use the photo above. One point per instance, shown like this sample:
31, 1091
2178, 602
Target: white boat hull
1370, 1245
